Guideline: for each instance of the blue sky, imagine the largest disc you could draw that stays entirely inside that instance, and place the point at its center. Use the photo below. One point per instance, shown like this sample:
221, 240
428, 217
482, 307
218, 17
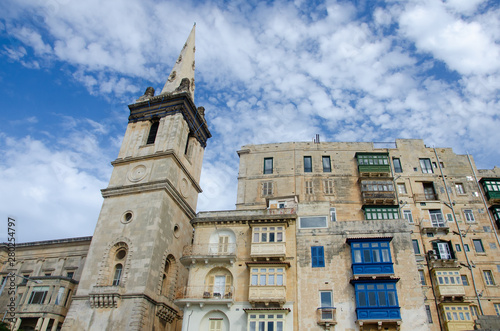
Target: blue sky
265, 72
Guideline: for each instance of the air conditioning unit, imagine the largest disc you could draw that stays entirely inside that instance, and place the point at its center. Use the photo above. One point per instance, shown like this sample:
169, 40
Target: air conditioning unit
432, 254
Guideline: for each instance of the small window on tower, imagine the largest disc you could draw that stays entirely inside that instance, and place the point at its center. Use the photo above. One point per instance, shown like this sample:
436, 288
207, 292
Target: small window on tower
152, 132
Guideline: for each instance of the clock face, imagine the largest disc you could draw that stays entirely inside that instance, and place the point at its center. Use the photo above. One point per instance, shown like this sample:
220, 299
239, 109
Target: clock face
137, 173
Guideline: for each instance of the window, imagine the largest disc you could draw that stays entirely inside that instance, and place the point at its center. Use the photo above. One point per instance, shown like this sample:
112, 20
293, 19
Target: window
333, 215
70, 274
59, 297
215, 324
117, 274
267, 276
416, 248
422, 277
429, 192
268, 165
449, 217
397, 164
465, 281
327, 165
326, 305
491, 185
478, 245
458, 248
268, 234
67, 298
466, 248
24, 279
469, 215
488, 277
372, 159
309, 187
308, 164
460, 188
402, 188
377, 186
38, 295
152, 132
371, 252
425, 165
267, 188
437, 219
317, 256
457, 313
266, 322
448, 277
313, 222
381, 213
443, 250
408, 216
223, 247
429, 314
495, 210
380, 294
218, 284
328, 186
497, 308
474, 311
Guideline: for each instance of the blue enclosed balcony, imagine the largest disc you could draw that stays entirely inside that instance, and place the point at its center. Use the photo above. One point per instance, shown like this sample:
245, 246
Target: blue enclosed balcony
371, 256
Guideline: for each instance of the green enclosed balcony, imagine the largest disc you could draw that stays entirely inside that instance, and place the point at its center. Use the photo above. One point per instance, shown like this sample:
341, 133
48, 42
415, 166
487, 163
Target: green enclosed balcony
491, 187
373, 164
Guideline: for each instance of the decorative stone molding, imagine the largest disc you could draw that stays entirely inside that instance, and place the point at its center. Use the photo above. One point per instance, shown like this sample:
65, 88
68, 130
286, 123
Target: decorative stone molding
166, 313
105, 267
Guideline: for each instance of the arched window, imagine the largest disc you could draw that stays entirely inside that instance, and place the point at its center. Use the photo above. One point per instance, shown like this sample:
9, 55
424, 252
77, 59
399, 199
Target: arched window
117, 274
219, 284
164, 285
152, 132
119, 261
168, 281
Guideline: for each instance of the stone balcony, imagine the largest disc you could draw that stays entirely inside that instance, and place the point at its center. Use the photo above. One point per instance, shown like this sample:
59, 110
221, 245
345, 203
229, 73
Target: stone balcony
426, 226
105, 296
208, 253
267, 294
204, 295
378, 198
421, 197
268, 250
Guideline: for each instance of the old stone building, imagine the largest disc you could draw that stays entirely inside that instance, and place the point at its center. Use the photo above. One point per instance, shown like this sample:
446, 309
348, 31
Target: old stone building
325, 236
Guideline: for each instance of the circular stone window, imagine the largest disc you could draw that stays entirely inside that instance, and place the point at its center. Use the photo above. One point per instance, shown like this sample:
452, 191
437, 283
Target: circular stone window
120, 255
127, 217
176, 231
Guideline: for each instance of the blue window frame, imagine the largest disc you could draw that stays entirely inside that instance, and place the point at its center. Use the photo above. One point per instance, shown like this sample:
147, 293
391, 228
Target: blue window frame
377, 299
371, 256
317, 256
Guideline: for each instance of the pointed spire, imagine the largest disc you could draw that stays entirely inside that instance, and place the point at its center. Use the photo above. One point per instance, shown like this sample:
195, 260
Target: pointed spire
181, 78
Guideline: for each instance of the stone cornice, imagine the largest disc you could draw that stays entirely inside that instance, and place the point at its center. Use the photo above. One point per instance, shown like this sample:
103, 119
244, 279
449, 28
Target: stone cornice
152, 186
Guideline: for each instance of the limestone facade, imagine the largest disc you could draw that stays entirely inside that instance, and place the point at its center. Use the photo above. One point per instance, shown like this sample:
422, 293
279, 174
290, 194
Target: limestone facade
48, 275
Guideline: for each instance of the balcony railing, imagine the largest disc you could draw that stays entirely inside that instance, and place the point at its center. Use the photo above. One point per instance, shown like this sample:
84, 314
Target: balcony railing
274, 249
419, 197
378, 198
326, 315
267, 294
381, 268
378, 313
209, 250
427, 226
206, 293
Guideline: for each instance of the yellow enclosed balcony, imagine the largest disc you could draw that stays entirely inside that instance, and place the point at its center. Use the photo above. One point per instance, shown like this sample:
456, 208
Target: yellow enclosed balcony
267, 283
457, 317
268, 242
448, 283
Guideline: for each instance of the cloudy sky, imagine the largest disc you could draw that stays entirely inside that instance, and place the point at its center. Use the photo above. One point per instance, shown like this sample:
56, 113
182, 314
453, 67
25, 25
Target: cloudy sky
361, 70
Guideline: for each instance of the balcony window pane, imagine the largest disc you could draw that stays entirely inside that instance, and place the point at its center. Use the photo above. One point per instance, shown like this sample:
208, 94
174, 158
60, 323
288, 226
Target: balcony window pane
367, 256
381, 299
271, 280
386, 256
392, 298
362, 299
254, 280
372, 299
376, 256
357, 256
262, 280
279, 279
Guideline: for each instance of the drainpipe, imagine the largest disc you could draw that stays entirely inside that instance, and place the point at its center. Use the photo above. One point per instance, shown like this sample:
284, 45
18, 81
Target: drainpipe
484, 200
450, 205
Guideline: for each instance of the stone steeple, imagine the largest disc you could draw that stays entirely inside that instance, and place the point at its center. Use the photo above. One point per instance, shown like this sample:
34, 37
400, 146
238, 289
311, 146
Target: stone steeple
182, 76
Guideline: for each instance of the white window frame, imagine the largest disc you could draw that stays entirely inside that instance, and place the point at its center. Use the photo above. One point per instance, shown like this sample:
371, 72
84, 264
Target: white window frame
408, 215
267, 276
260, 321
426, 166
326, 314
433, 215
39, 293
469, 215
324, 219
333, 214
488, 278
402, 188
268, 234
444, 250
459, 187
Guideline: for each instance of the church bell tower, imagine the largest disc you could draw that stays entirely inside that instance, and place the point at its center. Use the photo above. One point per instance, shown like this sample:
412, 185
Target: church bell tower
132, 271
